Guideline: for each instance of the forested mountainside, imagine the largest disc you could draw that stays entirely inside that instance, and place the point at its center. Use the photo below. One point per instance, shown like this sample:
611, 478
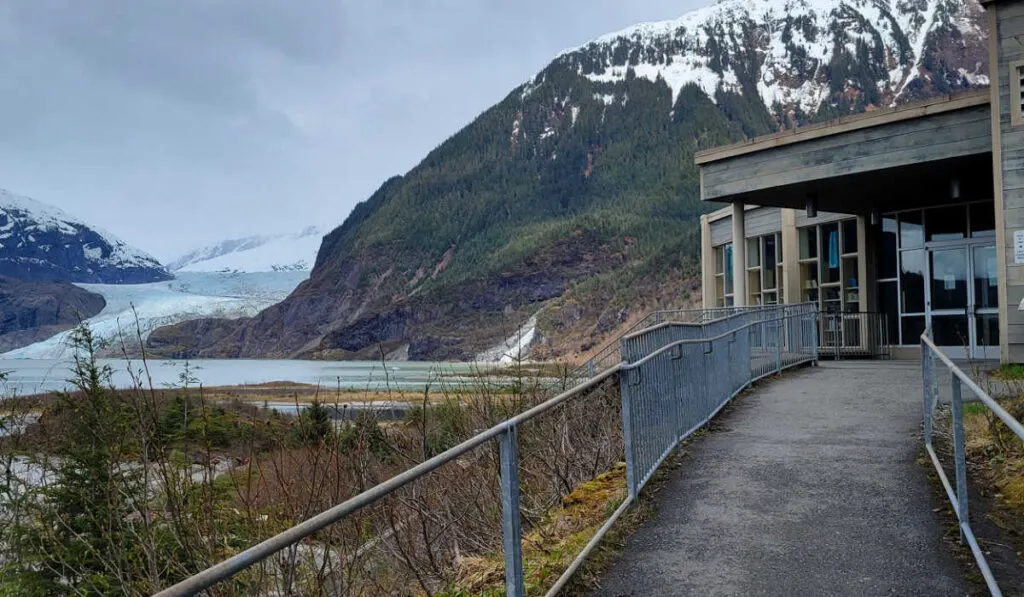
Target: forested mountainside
576, 197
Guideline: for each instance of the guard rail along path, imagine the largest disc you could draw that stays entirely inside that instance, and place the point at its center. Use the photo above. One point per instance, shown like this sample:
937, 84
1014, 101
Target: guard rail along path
931, 356
673, 377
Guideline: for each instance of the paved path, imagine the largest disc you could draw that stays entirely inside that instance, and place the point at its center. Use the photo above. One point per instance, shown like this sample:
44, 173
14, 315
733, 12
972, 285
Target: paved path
812, 488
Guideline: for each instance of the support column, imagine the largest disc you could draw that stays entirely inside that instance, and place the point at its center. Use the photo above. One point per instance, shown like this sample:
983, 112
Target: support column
791, 291
866, 248
739, 255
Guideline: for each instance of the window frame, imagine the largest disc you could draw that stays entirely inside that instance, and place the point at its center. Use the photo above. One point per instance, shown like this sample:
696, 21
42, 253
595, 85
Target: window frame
1016, 101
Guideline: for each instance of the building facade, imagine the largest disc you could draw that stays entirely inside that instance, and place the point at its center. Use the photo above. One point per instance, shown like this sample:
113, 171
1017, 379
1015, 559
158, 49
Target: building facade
915, 212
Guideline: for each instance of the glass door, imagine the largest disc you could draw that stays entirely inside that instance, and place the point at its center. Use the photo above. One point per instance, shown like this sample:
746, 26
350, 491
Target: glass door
984, 311
949, 301
963, 301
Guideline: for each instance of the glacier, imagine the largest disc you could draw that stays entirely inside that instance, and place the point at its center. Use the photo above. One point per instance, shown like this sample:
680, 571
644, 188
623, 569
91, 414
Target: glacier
191, 295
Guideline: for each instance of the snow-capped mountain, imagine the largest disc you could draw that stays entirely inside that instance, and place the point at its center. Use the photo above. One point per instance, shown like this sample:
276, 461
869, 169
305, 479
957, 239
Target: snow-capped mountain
585, 173
267, 253
41, 242
799, 57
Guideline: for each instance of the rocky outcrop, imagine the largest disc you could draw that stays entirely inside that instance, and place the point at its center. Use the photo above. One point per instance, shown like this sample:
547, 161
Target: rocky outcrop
31, 311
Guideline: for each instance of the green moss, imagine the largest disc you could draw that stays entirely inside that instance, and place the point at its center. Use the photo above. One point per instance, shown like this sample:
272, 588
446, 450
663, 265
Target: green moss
1010, 371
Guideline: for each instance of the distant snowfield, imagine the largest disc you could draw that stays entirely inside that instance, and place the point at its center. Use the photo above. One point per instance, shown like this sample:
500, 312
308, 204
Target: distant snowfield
276, 253
190, 296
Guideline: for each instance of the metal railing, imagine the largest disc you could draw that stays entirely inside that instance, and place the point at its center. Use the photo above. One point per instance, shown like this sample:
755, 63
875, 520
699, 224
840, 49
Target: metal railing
675, 379
930, 353
609, 355
854, 335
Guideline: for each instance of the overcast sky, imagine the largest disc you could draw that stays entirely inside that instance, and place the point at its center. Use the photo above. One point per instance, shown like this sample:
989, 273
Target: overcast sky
177, 123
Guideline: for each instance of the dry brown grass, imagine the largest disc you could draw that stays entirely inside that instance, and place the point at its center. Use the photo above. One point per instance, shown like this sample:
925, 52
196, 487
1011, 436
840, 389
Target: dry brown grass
999, 456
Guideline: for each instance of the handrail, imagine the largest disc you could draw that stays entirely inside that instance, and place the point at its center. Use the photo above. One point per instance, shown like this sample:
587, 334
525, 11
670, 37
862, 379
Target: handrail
994, 406
664, 400
958, 497
667, 347
265, 549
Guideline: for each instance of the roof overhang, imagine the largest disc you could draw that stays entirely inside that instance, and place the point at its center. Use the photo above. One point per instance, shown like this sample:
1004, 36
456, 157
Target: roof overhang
845, 125
928, 139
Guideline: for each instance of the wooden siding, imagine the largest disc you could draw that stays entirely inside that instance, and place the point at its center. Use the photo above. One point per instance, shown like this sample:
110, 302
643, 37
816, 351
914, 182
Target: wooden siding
721, 231
823, 218
764, 220
1009, 19
936, 137
759, 221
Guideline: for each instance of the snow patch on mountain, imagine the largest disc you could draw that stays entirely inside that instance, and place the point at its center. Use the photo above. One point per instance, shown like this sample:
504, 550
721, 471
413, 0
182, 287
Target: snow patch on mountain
268, 253
790, 44
34, 235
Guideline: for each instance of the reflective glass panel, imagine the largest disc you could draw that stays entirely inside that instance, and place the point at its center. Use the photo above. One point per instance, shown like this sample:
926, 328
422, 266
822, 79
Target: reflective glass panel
912, 281
986, 280
949, 279
911, 230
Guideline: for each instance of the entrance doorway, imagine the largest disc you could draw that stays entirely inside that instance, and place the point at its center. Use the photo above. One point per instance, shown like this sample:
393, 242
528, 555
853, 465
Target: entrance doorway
962, 299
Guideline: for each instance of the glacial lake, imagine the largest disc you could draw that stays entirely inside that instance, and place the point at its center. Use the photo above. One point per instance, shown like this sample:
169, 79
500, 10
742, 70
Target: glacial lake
34, 376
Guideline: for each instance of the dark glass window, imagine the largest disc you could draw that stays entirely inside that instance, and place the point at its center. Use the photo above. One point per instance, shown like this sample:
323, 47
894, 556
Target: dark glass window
888, 304
946, 223
912, 281
849, 236
887, 256
831, 253
988, 330
769, 261
983, 220
950, 330
912, 329
911, 230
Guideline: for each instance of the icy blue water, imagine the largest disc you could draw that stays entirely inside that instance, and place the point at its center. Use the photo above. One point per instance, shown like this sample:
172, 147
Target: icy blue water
33, 376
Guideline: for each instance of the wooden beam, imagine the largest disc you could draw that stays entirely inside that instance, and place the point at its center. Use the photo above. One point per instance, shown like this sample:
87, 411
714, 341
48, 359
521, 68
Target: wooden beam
843, 125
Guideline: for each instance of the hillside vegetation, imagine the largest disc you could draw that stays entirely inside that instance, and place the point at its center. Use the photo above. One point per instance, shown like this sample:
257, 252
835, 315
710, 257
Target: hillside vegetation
578, 192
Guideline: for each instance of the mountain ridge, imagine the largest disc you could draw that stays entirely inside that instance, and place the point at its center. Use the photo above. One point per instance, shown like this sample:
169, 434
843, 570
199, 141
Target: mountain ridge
575, 198
43, 243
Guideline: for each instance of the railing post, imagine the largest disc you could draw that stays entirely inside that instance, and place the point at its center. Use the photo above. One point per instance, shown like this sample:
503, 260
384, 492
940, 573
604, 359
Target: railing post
778, 345
627, 431
926, 380
511, 528
959, 451
815, 338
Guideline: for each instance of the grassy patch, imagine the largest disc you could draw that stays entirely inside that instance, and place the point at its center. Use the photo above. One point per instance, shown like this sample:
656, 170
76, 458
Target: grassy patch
1010, 371
999, 455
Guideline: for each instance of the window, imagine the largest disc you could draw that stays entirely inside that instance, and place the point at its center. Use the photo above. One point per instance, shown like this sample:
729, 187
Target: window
723, 275
753, 253
887, 256
983, 220
828, 265
1017, 93
809, 243
946, 223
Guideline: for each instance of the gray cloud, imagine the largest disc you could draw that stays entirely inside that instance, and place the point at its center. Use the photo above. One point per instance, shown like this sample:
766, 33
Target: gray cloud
175, 123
